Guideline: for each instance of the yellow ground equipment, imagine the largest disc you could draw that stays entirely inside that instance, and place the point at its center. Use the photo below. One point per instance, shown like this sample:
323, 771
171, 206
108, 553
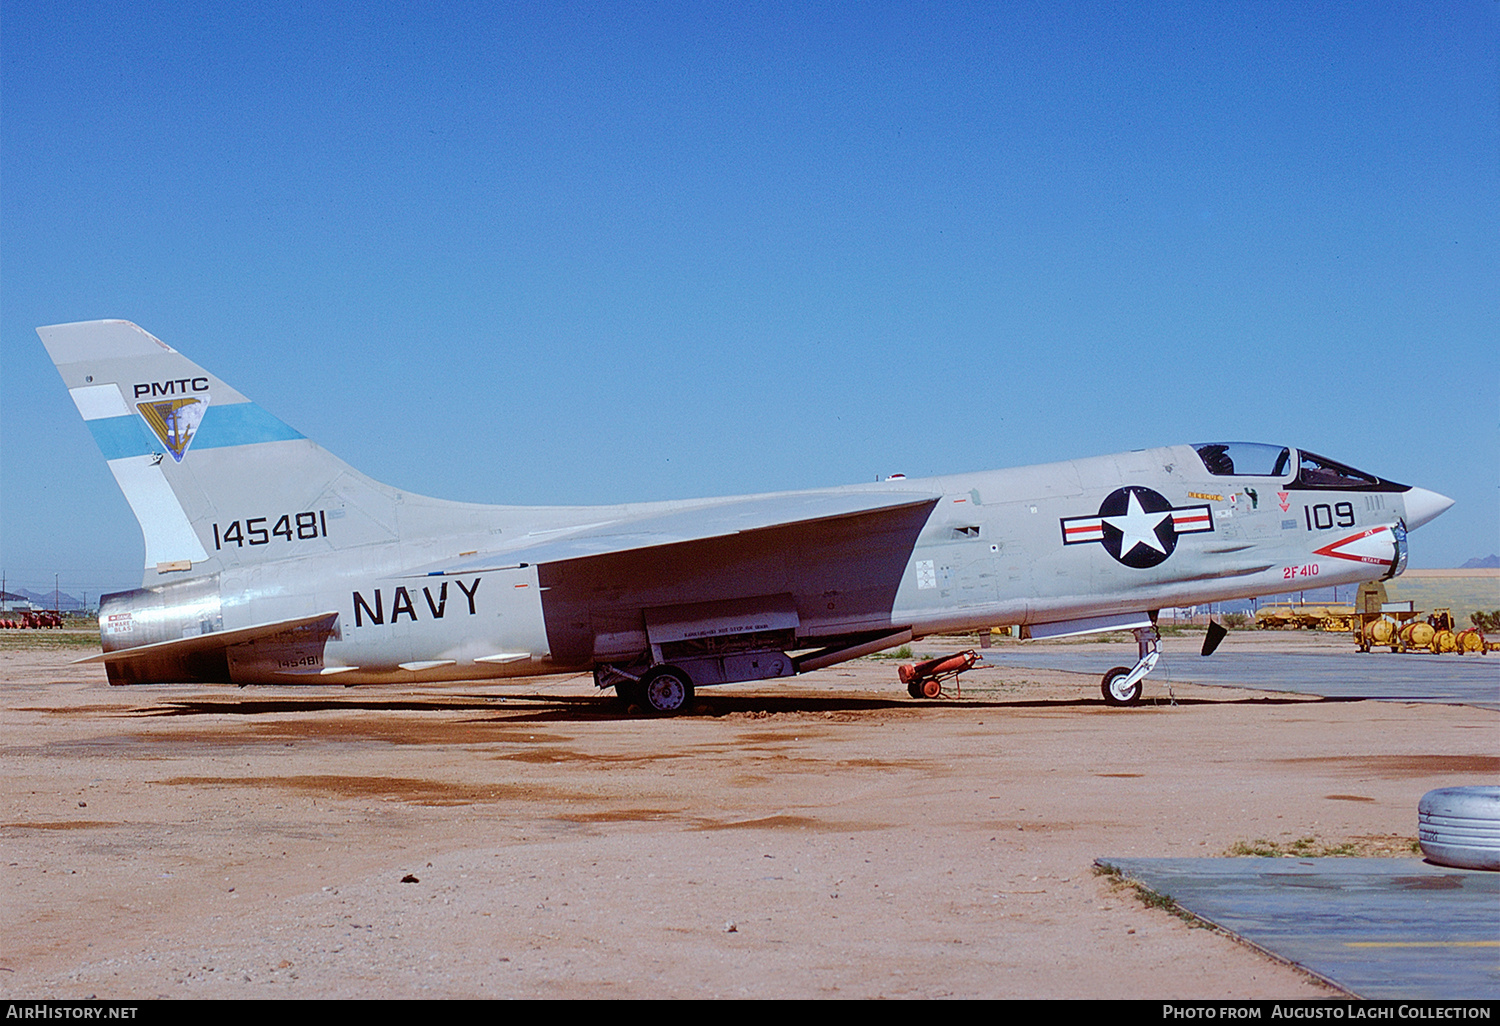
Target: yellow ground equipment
1471, 641
1398, 626
1417, 634
1377, 621
1285, 616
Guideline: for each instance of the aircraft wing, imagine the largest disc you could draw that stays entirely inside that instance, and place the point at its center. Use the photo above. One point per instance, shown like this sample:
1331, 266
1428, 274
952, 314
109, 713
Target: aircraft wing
684, 524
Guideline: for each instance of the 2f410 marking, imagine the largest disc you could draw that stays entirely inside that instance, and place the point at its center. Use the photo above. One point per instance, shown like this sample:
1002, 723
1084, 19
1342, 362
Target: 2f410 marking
288, 527
1322, 517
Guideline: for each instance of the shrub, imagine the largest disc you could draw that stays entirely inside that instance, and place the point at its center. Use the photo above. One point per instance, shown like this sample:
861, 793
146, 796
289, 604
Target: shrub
1487, 622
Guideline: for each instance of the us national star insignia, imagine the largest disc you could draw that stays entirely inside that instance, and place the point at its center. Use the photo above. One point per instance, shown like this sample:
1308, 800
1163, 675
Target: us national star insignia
1137, 526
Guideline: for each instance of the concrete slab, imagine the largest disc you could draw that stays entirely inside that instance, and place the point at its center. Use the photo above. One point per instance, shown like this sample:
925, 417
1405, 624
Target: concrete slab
1394, 929
1387, 676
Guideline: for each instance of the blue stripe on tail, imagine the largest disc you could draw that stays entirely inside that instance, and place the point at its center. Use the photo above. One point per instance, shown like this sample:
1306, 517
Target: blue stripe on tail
223, 426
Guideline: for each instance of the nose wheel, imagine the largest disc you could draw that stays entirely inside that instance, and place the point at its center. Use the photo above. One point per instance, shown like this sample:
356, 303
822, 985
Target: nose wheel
1119, 689
1124, 685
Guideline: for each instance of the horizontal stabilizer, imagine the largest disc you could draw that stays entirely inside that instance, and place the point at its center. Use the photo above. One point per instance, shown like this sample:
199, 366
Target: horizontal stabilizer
215, 640
672, 527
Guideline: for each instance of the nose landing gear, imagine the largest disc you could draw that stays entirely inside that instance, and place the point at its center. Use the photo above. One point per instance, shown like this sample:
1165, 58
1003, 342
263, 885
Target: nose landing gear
1123, 685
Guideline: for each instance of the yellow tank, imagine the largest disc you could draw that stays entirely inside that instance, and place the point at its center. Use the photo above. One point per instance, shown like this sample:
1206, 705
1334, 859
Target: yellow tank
1417, 635
1471, 641
1445, 641
1382, 631
1273, 619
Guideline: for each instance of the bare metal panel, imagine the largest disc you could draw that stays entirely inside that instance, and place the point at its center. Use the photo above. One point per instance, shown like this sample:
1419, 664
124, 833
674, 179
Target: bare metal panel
184, 609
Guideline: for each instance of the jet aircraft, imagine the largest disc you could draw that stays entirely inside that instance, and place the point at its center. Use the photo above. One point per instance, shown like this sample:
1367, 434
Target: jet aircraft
271, 561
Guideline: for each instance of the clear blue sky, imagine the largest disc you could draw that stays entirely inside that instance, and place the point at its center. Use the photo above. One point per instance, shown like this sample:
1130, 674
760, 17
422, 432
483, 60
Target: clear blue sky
578, 253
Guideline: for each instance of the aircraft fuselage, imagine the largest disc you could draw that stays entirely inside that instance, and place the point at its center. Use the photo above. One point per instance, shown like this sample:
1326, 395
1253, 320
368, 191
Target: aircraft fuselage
269, 560
1021, 546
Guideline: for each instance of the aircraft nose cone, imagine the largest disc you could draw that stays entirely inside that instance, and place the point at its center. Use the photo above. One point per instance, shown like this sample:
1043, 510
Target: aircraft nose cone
1422, 506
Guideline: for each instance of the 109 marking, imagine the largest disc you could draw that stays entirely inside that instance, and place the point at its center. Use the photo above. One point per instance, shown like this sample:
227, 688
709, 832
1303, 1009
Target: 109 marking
301, 526
1321, 516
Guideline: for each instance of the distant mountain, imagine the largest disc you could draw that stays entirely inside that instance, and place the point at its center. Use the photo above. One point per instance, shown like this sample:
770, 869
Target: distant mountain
44, 599
1490, 562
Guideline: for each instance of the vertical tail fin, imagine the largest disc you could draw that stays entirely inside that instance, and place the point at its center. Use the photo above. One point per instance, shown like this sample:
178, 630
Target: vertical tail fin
214, 480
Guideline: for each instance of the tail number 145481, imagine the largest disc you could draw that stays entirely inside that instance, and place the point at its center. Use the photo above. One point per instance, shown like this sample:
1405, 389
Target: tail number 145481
289, 526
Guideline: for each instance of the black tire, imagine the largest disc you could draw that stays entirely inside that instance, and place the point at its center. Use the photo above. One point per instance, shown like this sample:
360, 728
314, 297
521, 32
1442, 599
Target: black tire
666, 691
630, 693
914, 689
1114, 694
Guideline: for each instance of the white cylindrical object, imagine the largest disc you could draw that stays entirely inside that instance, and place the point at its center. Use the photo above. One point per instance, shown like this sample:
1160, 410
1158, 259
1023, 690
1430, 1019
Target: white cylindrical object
1460, 826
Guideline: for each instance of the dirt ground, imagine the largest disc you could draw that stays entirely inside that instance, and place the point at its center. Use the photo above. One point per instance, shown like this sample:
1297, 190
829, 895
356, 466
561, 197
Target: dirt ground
826, 837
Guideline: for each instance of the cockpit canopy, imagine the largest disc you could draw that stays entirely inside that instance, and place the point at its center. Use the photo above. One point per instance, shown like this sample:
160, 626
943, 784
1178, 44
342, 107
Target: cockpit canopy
1244, 459
1256, 459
